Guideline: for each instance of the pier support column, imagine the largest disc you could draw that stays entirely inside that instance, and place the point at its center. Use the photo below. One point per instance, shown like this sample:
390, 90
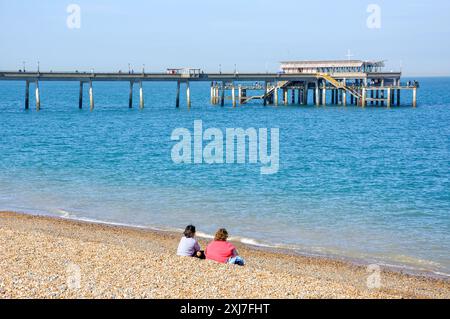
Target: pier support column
177, 102
222, 95
188, 95
316, 94
215, 94
299, 97
352, 99
332, 97
233, 95
38, 97
130, 96
363, 99
239, 94
382, 97
377, 97
285, 96
305, 93
344, 97
91, 96
389, 97
398, 97
27, 95
265, 94
414, 103
80, 96
212, 93
141, 96
218, 88
324, 94
275, 94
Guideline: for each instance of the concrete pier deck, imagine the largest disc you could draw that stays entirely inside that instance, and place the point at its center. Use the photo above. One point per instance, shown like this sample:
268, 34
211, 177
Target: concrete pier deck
136, 77
336, 85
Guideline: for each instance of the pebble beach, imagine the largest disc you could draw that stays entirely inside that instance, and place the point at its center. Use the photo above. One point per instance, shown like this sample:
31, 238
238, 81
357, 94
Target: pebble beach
46, 257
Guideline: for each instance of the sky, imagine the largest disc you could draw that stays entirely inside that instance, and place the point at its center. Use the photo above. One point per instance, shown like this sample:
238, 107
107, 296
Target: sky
255, 35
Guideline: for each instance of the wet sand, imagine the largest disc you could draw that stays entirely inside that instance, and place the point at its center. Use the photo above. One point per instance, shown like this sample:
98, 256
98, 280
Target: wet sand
45, 257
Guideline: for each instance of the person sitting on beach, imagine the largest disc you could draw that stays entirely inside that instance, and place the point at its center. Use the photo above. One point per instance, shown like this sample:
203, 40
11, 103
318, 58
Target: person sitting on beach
189, 246
222, 251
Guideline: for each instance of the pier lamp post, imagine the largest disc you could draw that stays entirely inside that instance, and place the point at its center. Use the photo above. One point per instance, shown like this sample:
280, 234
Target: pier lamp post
38, 67
143, 69
129, 68
23, 66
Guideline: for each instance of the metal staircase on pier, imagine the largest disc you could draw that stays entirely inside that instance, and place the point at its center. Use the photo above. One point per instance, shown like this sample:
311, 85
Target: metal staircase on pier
270, 91
339, 85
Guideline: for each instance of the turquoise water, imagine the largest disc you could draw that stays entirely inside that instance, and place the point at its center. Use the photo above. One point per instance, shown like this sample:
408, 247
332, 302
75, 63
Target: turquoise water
370, 184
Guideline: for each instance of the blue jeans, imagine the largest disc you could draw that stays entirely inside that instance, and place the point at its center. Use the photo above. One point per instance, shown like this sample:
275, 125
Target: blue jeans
236, 261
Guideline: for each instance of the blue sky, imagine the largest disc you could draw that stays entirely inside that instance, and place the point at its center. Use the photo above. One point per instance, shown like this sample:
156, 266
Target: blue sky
253, 34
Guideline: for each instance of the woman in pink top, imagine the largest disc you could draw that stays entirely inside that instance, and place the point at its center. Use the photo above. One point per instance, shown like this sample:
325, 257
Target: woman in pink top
222, 251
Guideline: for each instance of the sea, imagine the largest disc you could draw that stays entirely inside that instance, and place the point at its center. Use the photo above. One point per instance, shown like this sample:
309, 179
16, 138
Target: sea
368, 184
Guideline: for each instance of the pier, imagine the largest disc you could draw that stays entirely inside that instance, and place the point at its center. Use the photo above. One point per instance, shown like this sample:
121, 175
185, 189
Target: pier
319, 83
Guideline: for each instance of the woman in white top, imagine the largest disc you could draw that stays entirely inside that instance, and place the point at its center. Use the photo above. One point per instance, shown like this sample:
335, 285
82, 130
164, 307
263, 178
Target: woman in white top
189, 246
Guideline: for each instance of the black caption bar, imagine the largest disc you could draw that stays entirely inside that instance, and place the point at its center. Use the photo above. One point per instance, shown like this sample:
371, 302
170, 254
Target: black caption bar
218, 308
